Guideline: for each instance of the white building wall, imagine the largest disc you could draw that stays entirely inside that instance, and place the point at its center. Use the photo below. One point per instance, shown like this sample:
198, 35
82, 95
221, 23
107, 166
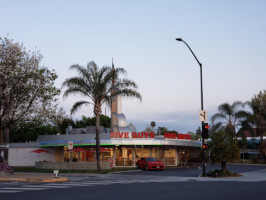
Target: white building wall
24, 157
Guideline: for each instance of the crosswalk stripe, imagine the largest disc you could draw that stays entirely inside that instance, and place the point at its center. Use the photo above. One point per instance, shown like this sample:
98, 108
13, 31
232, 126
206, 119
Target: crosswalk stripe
10, 183
9, 191
157, 181
141, 181
45, 186
67, 184
72, 184
20, 188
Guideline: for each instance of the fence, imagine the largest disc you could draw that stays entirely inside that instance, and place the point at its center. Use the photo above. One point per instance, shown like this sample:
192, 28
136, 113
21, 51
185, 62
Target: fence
72, 165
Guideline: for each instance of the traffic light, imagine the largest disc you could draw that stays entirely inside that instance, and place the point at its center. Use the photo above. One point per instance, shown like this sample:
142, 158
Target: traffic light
205, 130
204, 147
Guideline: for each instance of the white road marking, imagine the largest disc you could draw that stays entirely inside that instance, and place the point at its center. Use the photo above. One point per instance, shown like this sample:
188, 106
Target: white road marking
71, 184
10, 183
9, 191
22, 188
45, 186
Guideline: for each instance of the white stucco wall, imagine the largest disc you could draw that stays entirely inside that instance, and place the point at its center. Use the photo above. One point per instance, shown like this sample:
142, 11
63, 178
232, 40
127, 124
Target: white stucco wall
24, 157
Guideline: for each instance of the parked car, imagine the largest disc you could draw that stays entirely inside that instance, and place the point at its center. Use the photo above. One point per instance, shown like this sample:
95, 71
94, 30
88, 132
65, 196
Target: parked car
149, 163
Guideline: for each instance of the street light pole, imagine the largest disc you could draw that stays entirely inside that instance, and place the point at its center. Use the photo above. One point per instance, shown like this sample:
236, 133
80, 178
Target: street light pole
201, 89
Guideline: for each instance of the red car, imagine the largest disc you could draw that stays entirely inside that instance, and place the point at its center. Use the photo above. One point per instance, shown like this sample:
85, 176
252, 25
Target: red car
149, 163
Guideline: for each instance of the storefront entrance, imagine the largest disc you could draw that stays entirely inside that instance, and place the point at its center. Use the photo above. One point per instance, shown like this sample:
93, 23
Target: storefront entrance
124, 156
86, 154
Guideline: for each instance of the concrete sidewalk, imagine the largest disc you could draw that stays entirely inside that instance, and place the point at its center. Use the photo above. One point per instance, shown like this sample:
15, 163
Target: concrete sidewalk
32, 177
253, 176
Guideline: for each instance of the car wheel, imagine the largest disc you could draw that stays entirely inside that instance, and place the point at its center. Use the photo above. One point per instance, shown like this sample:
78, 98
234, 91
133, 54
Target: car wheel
137, 166
146, 168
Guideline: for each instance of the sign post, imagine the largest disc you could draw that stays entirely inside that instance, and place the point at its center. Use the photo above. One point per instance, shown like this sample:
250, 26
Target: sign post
203, 116
70, 147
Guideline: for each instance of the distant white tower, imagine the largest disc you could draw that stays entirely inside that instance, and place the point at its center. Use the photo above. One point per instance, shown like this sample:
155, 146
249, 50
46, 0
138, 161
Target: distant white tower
118, 119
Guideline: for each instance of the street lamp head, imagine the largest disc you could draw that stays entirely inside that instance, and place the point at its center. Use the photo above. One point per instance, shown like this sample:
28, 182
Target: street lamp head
179, 39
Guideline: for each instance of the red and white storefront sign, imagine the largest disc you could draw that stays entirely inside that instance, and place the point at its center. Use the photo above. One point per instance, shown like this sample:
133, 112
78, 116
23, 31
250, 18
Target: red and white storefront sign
146, 135
131, 135
177, 136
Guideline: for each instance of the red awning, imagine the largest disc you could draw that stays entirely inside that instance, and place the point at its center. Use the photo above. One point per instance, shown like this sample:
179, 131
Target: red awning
79, 149
103, 150
39, 151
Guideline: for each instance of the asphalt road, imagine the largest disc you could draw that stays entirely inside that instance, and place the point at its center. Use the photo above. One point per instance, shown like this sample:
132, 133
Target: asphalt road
196, 171
155, 191
142, 185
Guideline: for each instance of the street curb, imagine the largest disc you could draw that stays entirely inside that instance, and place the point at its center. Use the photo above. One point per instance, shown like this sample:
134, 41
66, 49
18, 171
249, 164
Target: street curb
37, 180
246, 164
120, 172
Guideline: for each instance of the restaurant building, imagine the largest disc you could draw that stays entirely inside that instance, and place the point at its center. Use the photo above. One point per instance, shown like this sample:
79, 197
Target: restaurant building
119, 147
122, 149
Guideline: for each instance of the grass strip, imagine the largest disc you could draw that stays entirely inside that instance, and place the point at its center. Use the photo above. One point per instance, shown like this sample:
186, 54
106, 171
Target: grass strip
36, 170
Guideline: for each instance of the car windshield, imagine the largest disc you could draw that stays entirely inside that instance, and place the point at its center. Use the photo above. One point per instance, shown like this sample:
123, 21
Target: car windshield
151, 159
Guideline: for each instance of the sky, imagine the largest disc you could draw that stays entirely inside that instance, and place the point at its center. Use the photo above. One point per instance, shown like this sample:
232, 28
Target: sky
228, 38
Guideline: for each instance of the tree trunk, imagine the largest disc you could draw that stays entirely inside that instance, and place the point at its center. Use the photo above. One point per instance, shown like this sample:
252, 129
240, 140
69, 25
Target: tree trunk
262, 157
7, 142
223, 164
2, 136
98, 142
1, 142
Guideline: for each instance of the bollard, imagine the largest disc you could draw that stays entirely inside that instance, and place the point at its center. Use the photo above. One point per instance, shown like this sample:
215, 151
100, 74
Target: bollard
56, 173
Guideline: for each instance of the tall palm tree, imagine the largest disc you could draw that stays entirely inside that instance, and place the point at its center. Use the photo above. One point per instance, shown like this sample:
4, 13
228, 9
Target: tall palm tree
229, 116
98, 86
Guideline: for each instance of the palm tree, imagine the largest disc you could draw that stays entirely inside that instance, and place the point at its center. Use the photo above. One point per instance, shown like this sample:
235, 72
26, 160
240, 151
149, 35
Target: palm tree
153, 124
98, 86
228, 117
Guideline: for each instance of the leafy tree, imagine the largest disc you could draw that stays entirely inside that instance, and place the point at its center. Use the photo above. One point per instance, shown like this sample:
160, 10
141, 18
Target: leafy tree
91, 121
105, 121
229, 116
173, 131
59, 119
194, 136
148, 130
98, 86
63, 125
27, 91
198, 131
132, 127
224, 148
162, 130
30, 132
85, 121
255, 121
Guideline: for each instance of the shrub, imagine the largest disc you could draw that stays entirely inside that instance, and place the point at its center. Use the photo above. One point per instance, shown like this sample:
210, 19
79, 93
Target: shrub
217, 173
4, 167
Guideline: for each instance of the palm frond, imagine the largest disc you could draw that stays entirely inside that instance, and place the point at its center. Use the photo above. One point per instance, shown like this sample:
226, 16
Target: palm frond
225, 108
126, 83
76, 90
242, 114
237, 104
126, 92
75, 81
218, 116
78, 105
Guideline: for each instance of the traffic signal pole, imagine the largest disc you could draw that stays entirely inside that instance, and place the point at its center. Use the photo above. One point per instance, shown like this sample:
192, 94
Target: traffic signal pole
202, 123
201, 89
